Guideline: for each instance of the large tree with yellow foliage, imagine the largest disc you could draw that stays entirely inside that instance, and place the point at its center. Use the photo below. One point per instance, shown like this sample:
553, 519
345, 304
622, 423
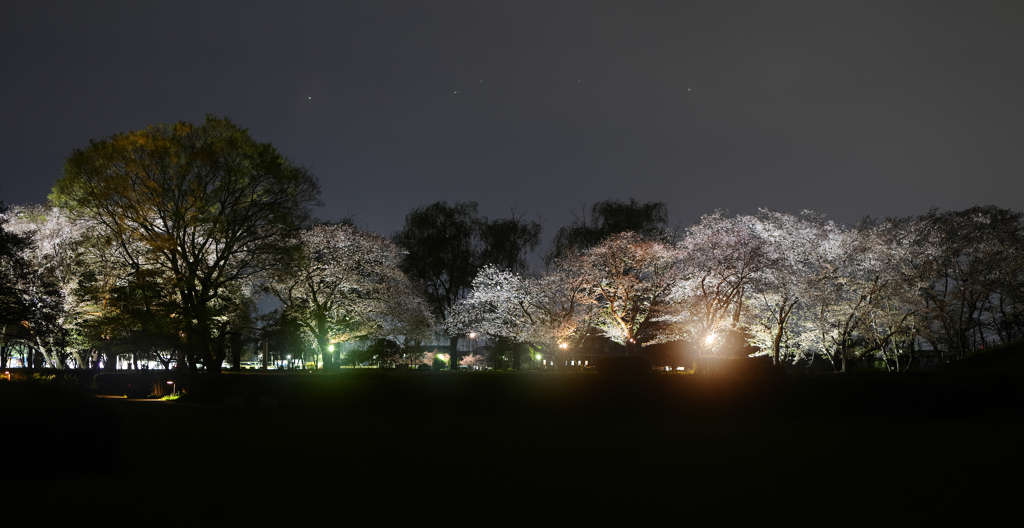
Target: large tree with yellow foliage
207, 205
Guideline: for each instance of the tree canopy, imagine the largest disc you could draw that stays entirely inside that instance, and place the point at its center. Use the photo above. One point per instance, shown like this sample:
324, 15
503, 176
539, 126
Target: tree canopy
447, 245
346, 285
13, 266
611, 217
206, 204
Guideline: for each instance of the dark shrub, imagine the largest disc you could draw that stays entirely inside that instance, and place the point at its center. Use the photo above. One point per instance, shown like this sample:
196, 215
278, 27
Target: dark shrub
1000, 359
625, 366
758, 367
113, 383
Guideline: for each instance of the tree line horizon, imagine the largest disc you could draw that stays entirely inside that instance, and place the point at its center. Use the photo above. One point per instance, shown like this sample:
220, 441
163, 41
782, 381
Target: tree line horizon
159, 244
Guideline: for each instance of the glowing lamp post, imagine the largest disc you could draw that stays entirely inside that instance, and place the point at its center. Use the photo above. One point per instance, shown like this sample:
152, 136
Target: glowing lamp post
174, 387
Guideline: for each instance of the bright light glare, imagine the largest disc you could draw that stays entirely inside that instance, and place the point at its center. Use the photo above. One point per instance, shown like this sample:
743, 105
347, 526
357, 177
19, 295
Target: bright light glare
563, 345
710, 339
472, 335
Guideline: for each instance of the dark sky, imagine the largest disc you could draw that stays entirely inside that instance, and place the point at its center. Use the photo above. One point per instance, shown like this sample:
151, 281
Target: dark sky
852, 109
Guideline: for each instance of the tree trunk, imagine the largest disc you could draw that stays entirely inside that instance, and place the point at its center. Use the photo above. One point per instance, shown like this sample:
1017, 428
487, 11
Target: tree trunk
218, 351
631, 346
110, 361
81, 358
322, 343
47, 360
236, 351
324, 347
776, 347
190, 358
453, 360
517, 354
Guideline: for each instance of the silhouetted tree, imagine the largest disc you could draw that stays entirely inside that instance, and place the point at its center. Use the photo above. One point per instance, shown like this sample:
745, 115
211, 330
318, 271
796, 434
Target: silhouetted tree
505, 242
446, 246
610, 217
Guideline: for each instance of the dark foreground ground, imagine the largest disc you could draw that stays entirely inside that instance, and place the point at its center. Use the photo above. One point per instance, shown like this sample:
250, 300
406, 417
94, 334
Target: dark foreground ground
828, 452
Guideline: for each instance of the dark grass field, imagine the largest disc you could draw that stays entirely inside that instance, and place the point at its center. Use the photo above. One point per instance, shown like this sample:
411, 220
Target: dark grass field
553, 449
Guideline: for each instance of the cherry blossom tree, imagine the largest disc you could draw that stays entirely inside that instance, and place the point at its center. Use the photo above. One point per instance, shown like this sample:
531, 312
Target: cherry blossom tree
900, 256
567, 304
720, 259
975, 295
770, 318
632, 280
347, 284
50, 284
861, 291
14, 309
555, 308
500, 304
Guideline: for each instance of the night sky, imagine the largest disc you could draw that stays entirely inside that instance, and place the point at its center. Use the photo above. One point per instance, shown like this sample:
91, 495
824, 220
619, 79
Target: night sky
851, 108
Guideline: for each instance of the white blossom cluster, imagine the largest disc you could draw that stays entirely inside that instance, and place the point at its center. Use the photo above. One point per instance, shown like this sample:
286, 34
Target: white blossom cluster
791, 285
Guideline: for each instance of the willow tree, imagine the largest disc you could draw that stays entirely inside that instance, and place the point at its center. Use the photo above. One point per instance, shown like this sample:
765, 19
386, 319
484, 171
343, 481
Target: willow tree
447, 244
207, 204
648, 220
